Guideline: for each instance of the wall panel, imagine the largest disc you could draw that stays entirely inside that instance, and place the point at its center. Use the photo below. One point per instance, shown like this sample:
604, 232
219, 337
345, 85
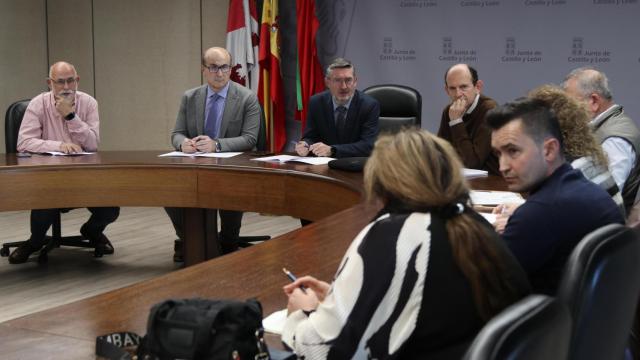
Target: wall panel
70, 25
147, 53
23, 45
214, 23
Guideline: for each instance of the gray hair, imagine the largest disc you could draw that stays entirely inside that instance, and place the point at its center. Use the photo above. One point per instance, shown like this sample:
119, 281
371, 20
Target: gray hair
340, 63
590, 81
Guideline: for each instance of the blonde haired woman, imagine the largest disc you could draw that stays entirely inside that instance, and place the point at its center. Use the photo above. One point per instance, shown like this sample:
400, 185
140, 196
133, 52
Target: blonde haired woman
417, 282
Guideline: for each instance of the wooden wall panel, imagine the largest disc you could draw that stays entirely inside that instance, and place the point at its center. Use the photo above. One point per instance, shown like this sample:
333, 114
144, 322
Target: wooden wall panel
146, 55
214, 23
70, 25
135, 57
23, 45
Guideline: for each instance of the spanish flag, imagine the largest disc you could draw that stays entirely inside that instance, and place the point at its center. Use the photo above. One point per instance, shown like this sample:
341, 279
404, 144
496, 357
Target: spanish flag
270, 88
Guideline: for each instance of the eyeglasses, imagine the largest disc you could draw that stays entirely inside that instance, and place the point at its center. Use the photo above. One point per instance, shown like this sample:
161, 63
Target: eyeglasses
61, 82
347, 81
214, 68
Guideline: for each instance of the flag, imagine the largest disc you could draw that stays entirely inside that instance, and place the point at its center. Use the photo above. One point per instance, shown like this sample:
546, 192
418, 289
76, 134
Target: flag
242, 43
270, 88
309, 76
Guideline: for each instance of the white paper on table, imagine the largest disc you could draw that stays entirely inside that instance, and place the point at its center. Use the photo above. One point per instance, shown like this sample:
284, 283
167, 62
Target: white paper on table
493, 198
474, 173
201, 154
320, 160
491, 218
60, 153
223, 155
274, 323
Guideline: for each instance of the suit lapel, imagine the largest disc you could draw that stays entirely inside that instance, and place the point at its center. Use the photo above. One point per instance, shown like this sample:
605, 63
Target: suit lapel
201, 101
229, 107
332, 131
352, 115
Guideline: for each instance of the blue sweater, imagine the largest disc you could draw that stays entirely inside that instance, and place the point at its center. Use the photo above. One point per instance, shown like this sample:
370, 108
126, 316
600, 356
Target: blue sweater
556, 216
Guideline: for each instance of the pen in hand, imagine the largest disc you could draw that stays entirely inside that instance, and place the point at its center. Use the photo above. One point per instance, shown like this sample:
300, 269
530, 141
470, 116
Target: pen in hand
293, 278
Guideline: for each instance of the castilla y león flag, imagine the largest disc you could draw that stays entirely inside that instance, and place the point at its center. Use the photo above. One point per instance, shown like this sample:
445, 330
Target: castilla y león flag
242, 42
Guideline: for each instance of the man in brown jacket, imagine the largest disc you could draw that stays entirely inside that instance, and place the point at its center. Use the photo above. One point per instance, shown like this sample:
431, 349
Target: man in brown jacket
463, 120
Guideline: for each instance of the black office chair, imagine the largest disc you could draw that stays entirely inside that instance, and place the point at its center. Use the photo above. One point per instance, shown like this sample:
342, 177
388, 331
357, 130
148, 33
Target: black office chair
12, 121
600, 286
400, 106
261, 145
536, 327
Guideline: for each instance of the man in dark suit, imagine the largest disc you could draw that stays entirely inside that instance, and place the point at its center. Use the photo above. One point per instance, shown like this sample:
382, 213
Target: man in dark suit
218, 116
342, 121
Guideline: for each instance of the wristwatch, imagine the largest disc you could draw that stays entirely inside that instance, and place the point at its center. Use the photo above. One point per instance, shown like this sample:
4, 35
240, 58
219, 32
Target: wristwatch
333, 151
70, 116
218, 147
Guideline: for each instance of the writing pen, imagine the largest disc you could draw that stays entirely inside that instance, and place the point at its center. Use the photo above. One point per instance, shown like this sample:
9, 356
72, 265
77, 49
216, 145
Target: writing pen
293, 278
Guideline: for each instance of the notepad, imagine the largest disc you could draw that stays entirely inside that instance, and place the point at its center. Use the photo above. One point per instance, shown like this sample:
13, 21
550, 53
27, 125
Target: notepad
320, 160
274, 323
494, 198
491, 218
200, 154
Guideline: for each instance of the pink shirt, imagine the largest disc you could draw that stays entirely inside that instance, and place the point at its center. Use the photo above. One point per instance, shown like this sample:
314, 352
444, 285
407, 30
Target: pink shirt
43, 129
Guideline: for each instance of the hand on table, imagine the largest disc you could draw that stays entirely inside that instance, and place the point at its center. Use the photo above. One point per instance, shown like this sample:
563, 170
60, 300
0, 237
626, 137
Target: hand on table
302, 148
320, 149
70, 148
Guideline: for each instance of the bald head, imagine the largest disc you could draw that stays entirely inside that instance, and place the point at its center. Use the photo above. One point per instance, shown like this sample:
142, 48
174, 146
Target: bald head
63, 79
216, 53
216, 67
61, 66
461, 84
464, 70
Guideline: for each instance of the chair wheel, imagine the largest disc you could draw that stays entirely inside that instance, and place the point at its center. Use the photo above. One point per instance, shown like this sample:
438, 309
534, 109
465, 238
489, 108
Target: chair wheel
4, 252
97, 252
43, 258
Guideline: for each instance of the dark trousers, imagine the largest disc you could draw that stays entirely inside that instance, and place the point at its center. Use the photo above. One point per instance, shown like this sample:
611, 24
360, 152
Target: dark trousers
230, 222
41, 220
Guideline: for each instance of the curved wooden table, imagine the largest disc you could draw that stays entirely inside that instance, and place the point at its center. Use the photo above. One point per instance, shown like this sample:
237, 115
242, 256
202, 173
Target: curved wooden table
141, 179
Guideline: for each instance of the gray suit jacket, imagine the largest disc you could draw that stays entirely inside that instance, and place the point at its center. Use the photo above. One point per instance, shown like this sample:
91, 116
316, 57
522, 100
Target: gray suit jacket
240, 120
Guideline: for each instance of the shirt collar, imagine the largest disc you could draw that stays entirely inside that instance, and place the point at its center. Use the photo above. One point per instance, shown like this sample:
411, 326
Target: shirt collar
222, 93
604, 114
474, 104
335, 105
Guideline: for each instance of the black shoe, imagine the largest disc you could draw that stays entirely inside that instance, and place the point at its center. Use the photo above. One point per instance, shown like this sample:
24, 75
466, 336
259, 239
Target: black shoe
100, 241
228, 248
177, 251
228, 244
21, 254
